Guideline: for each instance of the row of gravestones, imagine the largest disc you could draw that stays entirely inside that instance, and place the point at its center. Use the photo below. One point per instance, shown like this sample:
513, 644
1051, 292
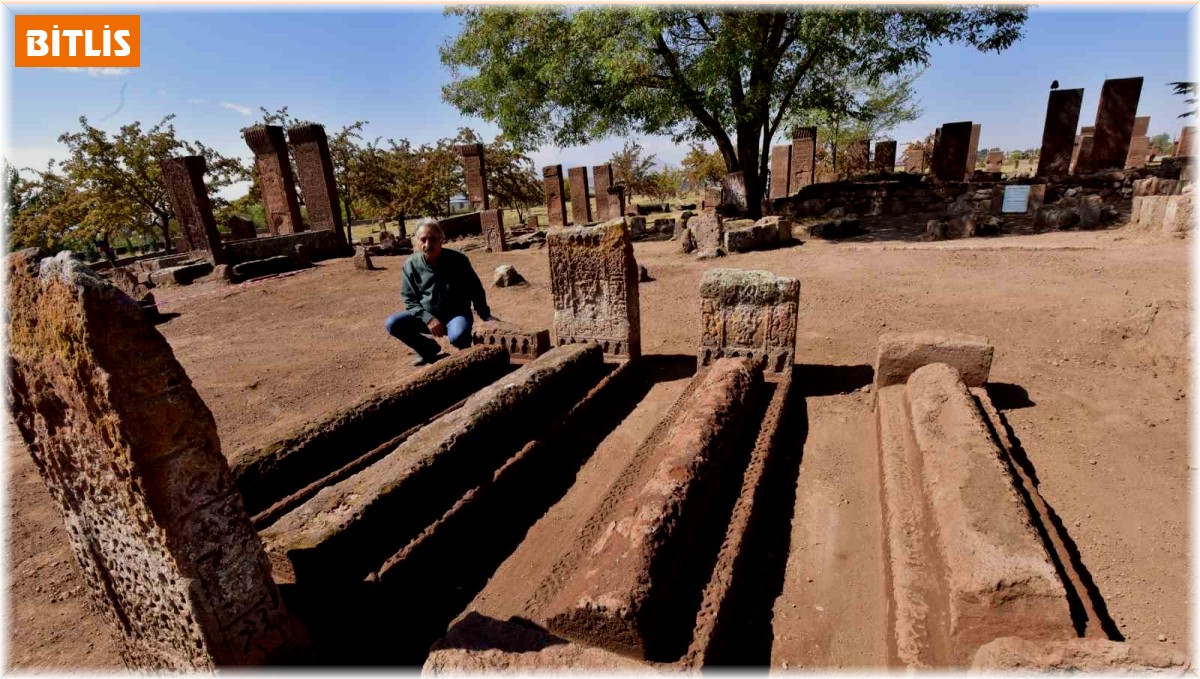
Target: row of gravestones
130, 453
184, 179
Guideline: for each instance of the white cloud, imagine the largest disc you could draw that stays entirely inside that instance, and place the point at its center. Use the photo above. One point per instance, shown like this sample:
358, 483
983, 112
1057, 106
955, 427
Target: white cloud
34, 156
244, 110
95, 71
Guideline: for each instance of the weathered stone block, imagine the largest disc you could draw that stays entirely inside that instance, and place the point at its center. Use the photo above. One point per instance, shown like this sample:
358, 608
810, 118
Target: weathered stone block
275, 177
1092, 656
594, 286
240, 228
972, 152
521, 344
184, 178
749, 313
130, 454
180, 275
552, 188
269, 266
999, 578
474, 164
362, 260
858, 155
902, 354
622, 596
581, 206
469, 224
310, 147
492, 224
708, 230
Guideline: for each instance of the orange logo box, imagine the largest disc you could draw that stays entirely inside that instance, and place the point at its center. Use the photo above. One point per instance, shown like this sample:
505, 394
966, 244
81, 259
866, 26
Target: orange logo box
78, 40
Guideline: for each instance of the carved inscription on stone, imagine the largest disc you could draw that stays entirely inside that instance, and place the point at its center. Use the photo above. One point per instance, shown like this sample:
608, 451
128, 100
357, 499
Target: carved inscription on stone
315, 167
189, 198
708, 230
130, 454
475, 169
748, 314
781, 170
492, 223
594, 285
275, 177
804, 157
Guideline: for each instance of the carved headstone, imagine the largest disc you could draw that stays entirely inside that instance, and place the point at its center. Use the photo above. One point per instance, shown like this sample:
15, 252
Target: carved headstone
748, 314
1141, 126
781, 171
492, 222
1062, 115
733, 187
713, 198
994, 161
914, 160
475, 169
602, 176
184, 177
616, 201
275, 177
1114, 124
310, 146
130, 455
804, 158
594, 285
950, 151
241, 228
857, 157
581, 207
972, 152
885, 156
556, 202
708, 231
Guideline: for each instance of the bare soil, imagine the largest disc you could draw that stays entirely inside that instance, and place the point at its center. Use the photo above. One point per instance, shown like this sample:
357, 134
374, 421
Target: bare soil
1091, 334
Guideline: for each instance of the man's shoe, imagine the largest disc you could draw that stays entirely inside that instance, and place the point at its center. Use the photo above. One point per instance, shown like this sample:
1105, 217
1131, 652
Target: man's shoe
422, 360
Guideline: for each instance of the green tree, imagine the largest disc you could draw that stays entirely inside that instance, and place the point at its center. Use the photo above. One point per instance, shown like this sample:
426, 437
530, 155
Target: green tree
572, 75
1160, 144
121, 176
634, 169
702, 167
668, 183
1187, 90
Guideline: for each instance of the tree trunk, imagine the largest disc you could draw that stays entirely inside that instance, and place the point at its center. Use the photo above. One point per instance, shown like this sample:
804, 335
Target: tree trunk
106, 250
165, 224
748, 140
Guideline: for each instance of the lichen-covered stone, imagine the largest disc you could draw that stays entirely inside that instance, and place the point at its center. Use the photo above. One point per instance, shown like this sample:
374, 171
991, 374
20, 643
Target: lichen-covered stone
130, 454
594, 287
751, 314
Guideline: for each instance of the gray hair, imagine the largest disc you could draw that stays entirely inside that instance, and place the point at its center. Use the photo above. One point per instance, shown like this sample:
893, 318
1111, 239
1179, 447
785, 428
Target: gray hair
432, 224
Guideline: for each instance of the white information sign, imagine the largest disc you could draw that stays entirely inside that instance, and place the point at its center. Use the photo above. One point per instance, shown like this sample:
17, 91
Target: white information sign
1016, 199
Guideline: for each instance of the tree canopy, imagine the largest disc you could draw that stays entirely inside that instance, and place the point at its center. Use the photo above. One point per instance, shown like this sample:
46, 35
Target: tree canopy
569, 75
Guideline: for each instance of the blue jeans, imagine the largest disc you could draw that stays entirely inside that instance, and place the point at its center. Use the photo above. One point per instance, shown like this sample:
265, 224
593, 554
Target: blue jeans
410, 329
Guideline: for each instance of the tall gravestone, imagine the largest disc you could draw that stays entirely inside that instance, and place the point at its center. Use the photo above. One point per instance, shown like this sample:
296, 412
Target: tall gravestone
781, 171
1114, 124
581, 207
885, 156
474, 165
1186, 137
552, 187
310, 146
616, 201
184, 177
972, 152
950, 152
1062, 115
602, 176
857, 157
914, 160
130, 455
804, 158
748, 314
994, 161
275, 178
492, 224
594, 286
733, 189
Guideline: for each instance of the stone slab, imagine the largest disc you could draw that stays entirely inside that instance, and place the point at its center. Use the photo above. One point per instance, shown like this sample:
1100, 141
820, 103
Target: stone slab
491, 222
804, 158
521, 344
184, 274
950, 151
781, 171
314, 165
581, 206
188, 195
902, 354
275, 178
1114, 124
618, 601
1093, 656
999, 577
746, 313
885, 156
708, 230
321, 245
602, 176
552, 189
474, 162
972, 152
130, 454
594, 287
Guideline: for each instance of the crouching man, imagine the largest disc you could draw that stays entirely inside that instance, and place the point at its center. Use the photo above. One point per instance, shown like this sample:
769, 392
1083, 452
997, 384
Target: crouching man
438, 287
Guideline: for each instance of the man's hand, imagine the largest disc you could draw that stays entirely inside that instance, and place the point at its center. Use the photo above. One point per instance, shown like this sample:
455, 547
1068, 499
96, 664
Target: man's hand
436, 327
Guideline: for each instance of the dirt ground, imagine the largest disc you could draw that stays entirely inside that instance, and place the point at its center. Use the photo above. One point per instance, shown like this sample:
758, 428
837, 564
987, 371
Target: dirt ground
1091, 334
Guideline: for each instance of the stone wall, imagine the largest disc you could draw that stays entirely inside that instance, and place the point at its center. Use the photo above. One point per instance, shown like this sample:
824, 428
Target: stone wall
322, 244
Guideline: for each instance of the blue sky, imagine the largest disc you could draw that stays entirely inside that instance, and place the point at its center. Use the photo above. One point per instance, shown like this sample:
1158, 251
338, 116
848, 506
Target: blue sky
215, 67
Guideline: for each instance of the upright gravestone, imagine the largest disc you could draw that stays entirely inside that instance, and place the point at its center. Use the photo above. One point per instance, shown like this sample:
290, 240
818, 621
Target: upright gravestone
1114, 123
914, 160
130, 455
475, 168
581, 207
733, 188
552, 187
950, 151
885, 156
1062, 115
594, 286
184, 177
994, 161
275, 178
310, 146
1139, 144
781, 171
857, 157
748, 314
616, 201
492, 224
804, 158
1185, 148
708, 230
602, 176
1081, 164
1141, 126
972, 152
